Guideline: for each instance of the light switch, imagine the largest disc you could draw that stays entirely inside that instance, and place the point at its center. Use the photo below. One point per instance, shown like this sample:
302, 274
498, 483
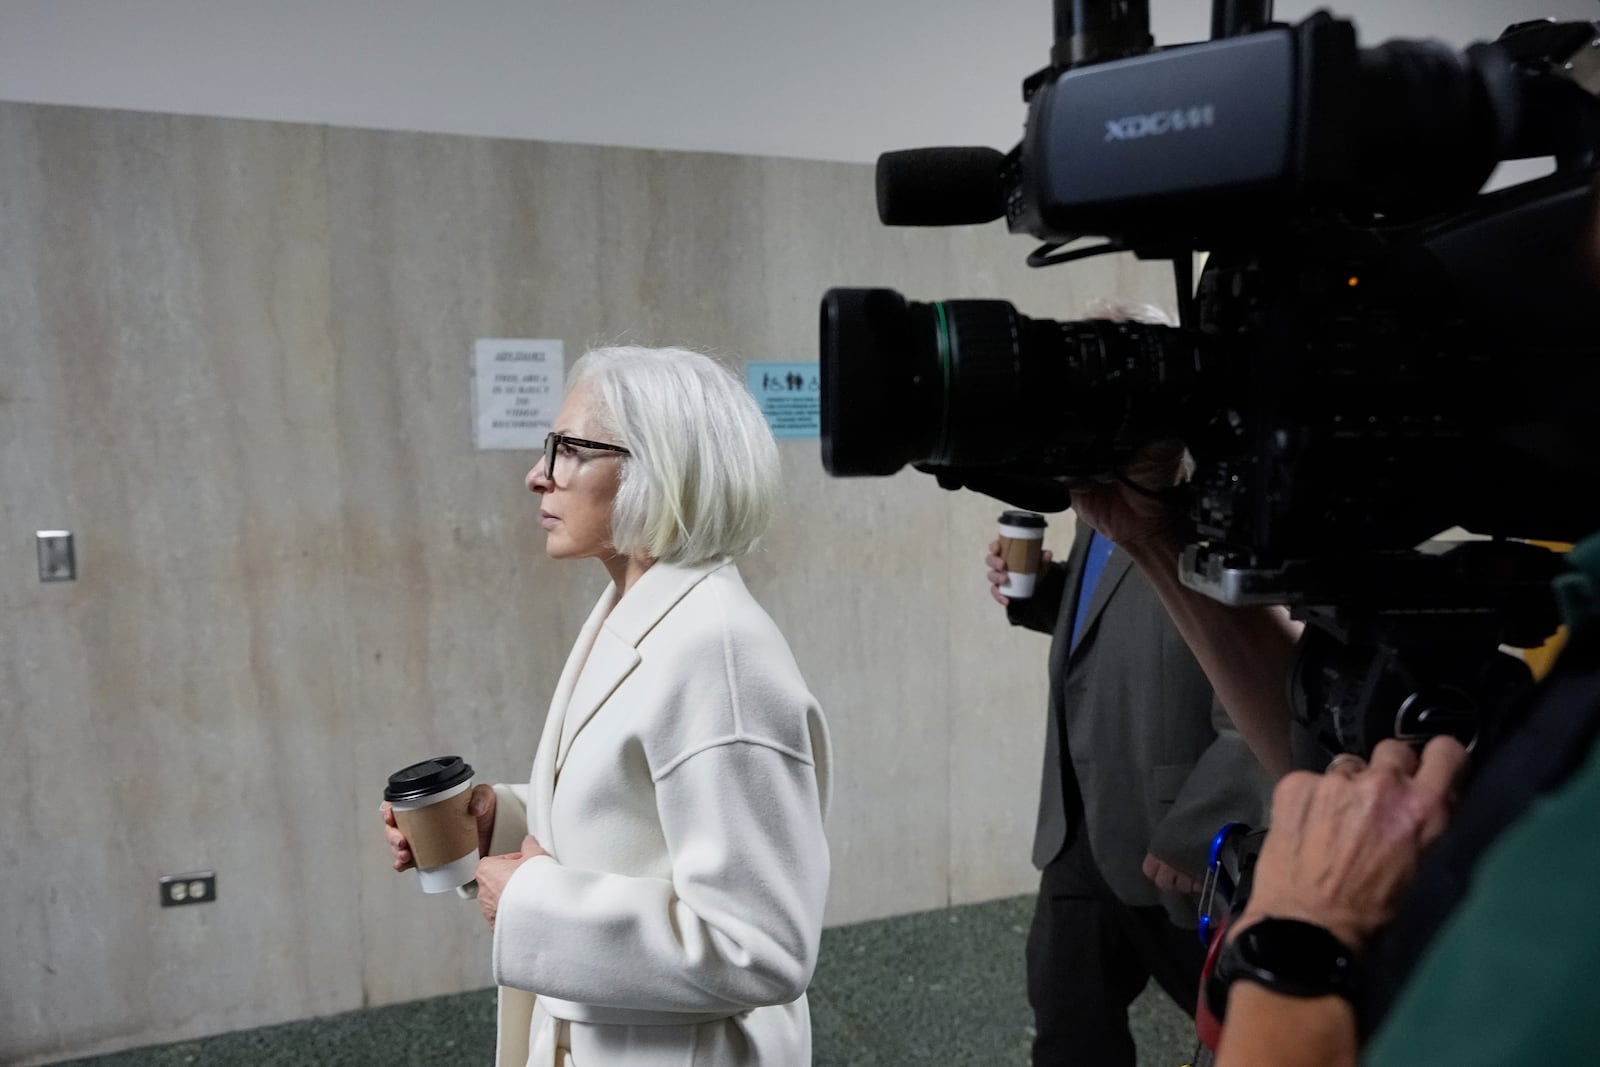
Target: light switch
57, 561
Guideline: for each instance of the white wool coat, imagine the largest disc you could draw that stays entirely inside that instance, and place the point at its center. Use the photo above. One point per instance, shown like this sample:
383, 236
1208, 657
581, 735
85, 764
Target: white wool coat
680, 787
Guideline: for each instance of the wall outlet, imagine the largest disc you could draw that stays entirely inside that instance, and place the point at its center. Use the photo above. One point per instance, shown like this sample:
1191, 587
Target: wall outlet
197, 888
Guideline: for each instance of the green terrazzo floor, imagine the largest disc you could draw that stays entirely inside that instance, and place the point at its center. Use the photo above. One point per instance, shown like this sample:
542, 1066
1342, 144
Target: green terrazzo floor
941, 987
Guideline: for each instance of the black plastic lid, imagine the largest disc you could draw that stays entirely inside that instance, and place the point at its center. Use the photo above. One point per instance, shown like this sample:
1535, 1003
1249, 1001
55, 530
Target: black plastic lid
1029, 519
427, 778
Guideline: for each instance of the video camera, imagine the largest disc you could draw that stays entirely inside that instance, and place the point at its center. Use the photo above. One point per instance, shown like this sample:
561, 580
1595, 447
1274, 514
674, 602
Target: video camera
1375, 351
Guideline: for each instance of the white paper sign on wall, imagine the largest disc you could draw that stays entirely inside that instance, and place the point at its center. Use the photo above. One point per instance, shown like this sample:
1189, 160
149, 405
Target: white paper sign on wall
517, 386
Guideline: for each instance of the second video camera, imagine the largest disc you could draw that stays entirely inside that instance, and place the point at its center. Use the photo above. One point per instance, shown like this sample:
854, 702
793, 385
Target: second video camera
1375, 351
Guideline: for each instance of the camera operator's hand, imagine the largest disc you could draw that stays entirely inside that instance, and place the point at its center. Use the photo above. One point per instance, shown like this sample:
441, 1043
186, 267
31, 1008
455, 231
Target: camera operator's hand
1124, 515
1344, 845
998, 573
1245, 652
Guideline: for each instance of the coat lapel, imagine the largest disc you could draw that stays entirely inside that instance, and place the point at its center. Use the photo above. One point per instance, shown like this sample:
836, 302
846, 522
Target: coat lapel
1117, 566
542, 782
611, 659
1069, 600
615, 649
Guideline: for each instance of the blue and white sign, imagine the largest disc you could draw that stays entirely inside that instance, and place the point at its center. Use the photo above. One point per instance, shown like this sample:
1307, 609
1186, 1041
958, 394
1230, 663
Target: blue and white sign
790, 395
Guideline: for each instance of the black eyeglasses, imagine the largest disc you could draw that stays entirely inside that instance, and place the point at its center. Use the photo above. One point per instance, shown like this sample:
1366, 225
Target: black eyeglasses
553, 441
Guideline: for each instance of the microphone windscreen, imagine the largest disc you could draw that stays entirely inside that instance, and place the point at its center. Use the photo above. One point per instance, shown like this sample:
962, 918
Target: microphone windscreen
940, 187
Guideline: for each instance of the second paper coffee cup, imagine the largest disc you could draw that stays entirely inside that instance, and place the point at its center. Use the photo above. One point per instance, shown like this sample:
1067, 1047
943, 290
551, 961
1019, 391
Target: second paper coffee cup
430, 806
1021, 545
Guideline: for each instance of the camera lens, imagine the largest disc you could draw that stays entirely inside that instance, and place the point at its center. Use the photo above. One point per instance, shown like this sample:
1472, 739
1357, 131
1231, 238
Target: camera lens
904, 382
870, 382
973, 383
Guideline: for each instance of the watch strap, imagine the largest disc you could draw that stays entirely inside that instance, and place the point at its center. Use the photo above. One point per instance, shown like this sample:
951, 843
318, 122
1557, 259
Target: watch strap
1288, 956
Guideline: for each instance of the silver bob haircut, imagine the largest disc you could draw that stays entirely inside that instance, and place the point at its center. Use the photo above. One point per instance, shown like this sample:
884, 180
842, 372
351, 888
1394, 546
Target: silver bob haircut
703, 478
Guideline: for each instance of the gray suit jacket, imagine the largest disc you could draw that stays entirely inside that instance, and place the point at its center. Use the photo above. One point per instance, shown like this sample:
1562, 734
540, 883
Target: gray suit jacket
1138, 755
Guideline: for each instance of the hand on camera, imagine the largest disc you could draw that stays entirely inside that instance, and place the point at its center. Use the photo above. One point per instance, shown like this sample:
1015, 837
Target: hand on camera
1344, 845
1122, 514
997, 571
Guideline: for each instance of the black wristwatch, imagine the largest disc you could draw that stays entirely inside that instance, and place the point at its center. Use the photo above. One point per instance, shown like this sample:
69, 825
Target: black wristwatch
1297, 959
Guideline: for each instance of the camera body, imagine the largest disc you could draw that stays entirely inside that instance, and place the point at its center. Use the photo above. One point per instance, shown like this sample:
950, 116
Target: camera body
1375, 351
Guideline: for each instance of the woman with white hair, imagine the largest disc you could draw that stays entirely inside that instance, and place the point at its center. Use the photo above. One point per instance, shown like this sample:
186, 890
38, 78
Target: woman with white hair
656, 889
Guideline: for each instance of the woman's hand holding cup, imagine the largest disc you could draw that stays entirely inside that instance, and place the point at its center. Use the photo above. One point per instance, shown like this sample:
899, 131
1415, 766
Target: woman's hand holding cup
399, 847
481, 806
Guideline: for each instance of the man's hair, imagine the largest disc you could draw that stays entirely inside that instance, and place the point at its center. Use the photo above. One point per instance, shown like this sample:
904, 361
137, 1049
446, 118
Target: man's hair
703, 478
1102, 307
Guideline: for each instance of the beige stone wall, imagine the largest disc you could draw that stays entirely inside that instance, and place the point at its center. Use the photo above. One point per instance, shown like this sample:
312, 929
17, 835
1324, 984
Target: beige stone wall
235, 364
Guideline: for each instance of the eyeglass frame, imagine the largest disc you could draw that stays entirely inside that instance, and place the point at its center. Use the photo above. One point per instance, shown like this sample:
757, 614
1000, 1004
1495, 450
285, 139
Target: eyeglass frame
553, 439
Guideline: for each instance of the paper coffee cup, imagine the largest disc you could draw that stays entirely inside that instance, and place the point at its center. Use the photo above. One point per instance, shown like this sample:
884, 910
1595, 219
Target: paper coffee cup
430, 806
1021, 545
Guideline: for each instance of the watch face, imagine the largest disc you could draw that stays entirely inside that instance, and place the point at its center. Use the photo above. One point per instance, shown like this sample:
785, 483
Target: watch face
1295, 946
1298, 959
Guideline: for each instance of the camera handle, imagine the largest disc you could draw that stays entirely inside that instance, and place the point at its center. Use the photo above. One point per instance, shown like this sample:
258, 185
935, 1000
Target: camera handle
1412, 678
